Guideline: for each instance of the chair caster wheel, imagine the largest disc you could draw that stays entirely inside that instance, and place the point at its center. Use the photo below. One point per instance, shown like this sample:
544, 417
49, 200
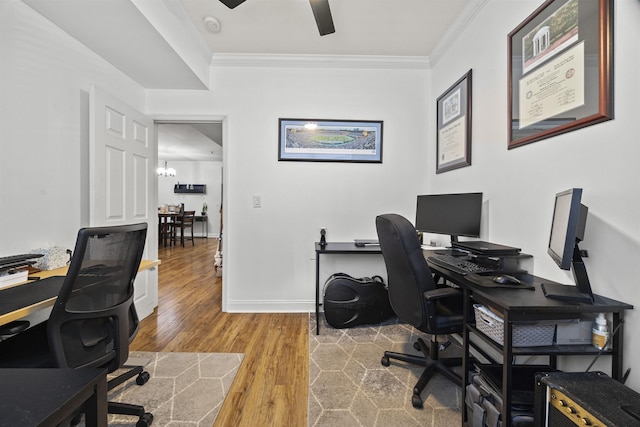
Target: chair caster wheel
142, 378
443, 346
385, 361
416, 401
145, 421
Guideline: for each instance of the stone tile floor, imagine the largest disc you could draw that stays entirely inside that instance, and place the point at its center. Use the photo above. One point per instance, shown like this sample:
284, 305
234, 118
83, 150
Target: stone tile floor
349, 386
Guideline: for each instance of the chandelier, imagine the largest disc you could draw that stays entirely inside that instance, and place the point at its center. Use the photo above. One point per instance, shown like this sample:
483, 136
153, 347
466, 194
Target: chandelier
165, 171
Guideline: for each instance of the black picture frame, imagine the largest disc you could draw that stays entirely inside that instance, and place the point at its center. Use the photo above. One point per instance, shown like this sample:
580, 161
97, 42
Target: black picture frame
453, 124
322, 140
560, 66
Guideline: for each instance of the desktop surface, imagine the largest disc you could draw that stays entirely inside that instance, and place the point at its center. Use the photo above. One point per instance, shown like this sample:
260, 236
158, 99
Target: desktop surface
346, 247
44, 397
18, 297
525, 301
20, 300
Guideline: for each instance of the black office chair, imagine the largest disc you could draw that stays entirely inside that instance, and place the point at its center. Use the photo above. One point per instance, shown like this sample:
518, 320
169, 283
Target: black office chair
417, 300
94, 318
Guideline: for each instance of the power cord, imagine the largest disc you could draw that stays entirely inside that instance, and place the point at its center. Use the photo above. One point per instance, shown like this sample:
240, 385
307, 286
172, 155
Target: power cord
615, 331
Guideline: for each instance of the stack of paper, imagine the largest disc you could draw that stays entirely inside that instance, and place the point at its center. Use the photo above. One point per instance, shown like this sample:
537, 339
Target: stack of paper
17, 276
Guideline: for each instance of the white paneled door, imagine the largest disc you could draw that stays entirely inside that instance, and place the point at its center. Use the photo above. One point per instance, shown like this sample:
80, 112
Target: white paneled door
123, 156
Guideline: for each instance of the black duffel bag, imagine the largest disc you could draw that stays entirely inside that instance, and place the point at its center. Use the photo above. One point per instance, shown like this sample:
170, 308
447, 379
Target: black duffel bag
349, 301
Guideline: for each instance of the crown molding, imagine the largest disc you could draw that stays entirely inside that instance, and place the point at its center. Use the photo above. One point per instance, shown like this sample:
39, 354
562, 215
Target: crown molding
467, 15
320, 61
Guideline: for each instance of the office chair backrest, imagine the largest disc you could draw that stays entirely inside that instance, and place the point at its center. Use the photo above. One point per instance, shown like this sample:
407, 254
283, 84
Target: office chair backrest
94, 318
408, 274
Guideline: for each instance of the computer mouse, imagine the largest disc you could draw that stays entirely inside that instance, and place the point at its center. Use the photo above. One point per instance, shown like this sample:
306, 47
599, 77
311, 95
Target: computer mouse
505, 278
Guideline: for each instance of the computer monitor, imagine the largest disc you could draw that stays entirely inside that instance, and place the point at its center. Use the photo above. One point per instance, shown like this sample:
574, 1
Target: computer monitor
452, 214
567, 230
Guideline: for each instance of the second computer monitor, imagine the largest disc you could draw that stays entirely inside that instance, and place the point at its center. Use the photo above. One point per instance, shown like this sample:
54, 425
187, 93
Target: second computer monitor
567, 227
451, 214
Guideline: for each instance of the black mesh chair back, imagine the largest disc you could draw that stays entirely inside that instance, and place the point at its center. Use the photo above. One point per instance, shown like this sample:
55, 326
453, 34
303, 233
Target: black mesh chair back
94, 318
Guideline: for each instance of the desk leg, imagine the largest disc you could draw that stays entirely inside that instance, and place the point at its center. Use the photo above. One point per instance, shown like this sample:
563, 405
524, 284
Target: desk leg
317, 293
507, 371
96, 405
466, 356
616, 346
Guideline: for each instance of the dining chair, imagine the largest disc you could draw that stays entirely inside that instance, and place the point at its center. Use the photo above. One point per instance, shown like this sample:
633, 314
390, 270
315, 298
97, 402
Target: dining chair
182, 223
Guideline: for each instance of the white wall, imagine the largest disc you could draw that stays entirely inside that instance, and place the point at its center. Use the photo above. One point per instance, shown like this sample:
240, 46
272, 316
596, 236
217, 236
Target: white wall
201, 172
268, 252
519, 184
44, 82
44, 129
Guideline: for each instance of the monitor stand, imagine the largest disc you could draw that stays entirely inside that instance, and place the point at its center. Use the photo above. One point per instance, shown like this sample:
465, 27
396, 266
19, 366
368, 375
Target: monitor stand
565, 292
581, 292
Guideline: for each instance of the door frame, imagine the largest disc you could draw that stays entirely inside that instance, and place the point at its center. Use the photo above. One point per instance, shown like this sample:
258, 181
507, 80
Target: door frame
199, 118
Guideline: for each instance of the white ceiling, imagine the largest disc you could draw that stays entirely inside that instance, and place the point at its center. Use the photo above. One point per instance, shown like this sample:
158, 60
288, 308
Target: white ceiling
164, 44
363, 27
190, 141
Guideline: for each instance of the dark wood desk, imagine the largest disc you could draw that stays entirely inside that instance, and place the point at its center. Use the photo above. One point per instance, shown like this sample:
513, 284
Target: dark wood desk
337, 248
46, 397
522, 305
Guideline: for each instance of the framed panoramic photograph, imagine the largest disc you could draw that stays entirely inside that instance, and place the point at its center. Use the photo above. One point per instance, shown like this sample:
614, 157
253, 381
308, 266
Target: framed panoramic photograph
315, 140
453, 139
560, 70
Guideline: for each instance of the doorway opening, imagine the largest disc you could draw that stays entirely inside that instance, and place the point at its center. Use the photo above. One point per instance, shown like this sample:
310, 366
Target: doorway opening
194, 150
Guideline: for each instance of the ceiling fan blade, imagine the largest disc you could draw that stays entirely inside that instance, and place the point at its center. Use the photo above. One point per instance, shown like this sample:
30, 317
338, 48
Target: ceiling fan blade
232, 3
322, 13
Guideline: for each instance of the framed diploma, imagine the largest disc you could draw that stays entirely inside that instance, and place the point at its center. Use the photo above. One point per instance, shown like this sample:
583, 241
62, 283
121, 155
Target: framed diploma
560, 69
453, 139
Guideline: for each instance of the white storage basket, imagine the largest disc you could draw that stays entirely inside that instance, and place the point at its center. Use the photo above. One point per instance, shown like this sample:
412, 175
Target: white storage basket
524, 335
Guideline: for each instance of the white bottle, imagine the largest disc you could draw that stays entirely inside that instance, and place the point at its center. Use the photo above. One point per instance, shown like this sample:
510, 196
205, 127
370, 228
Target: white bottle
600, 333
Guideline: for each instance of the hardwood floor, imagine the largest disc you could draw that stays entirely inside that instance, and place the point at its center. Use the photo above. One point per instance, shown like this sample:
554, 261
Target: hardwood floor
271, 387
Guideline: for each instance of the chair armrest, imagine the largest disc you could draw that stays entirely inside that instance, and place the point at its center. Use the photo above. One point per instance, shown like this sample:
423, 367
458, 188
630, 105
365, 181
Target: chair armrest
441, 293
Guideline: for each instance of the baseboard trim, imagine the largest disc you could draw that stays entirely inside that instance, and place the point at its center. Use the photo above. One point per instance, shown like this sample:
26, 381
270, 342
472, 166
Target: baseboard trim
273, 306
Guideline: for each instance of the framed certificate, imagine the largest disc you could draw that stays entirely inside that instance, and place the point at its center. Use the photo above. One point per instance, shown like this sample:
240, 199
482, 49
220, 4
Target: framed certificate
560, 69
453, 139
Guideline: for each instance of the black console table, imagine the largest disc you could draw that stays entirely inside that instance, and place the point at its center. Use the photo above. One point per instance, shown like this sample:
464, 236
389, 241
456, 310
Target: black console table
337, 248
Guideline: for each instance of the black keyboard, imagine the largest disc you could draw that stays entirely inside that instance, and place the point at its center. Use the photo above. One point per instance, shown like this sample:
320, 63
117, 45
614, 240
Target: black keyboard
459, 265
15, 261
